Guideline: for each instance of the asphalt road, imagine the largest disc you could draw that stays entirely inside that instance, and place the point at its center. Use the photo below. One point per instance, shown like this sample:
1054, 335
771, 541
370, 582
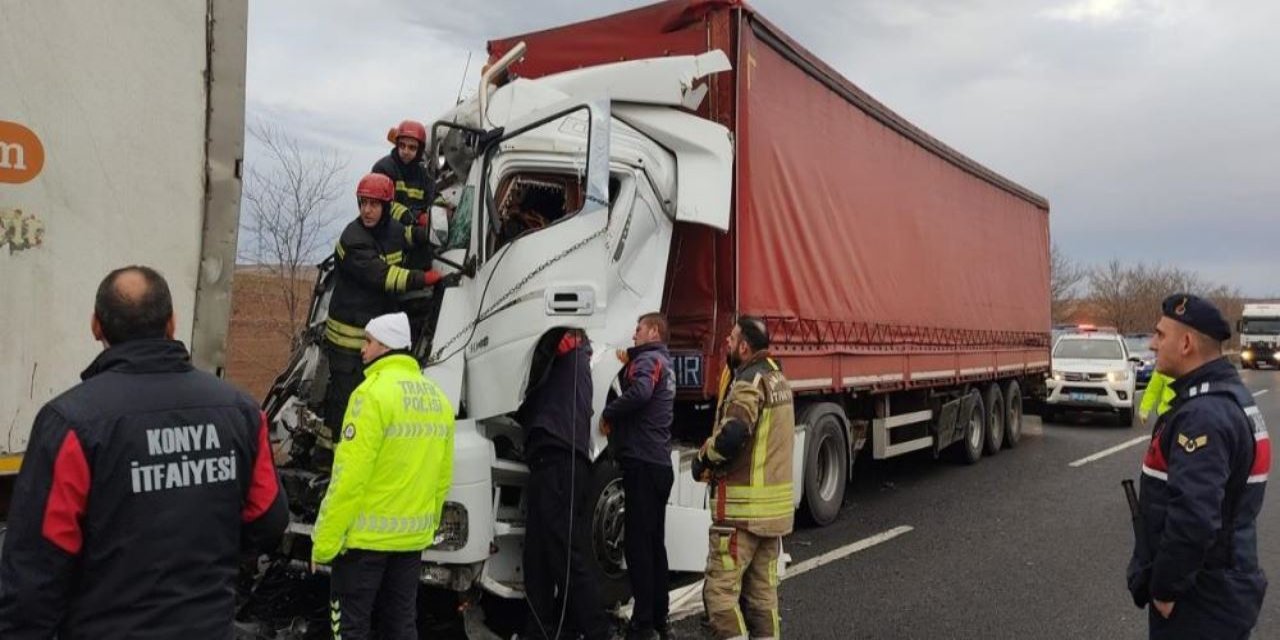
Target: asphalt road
1021, 545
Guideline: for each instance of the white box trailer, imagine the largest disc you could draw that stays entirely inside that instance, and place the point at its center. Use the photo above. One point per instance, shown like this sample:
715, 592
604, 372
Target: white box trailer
121, 140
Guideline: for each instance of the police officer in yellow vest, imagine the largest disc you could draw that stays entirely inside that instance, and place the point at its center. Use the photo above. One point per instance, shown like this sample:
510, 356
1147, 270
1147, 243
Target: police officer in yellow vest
391, 473
1158, 394
747, 461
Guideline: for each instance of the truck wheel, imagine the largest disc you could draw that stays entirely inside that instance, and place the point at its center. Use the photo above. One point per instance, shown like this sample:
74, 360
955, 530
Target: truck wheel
969, 448
608, 532
1012, 414
826, 464
994, 403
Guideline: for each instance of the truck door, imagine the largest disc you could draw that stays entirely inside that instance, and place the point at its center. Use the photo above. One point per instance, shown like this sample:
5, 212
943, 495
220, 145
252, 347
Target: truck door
539, 239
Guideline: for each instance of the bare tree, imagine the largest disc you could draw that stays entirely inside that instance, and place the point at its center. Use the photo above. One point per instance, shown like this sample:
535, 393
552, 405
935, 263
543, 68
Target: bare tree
1064, 277
288, 200
1129, 297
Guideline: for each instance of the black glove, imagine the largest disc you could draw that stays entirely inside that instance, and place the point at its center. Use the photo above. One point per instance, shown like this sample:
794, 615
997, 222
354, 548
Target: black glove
452, 279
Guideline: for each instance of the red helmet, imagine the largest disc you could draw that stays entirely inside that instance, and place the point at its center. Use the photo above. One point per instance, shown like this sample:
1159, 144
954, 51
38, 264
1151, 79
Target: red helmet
376, 186
412, 129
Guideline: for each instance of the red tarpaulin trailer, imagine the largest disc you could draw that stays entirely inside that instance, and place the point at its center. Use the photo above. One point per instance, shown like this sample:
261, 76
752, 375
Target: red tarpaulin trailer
881, 258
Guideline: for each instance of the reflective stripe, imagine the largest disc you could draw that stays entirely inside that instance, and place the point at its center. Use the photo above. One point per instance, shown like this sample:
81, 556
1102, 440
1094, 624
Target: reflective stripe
417, 430
758, 509
766, 492
727, 559
335, 618
393, 258
397, 279
762, 446
408, 235
343, 335
417, 194
1159, 475
342, 252
393, 524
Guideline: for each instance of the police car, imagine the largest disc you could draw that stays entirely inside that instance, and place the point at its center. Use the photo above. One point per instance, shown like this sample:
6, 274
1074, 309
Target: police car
1092, 371
1144, 359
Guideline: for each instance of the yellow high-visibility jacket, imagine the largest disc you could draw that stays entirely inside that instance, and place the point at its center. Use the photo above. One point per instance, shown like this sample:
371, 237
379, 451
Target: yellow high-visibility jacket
1158, 394
393, 466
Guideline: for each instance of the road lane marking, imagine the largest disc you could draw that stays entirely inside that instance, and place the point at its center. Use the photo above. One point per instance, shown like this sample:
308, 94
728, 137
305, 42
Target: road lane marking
1258, 393
1106, 452
843, 552
687, 600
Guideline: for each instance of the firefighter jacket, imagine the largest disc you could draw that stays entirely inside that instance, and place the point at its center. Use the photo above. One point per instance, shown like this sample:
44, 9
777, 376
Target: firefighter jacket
139, 490
369, 277
1158, 395
749, 453
393, 466
411, 184
1202, 485
642, 414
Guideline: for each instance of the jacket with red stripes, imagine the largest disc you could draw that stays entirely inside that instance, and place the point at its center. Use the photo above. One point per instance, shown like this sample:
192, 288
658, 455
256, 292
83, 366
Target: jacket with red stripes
1203, 481
642, 414
139, 490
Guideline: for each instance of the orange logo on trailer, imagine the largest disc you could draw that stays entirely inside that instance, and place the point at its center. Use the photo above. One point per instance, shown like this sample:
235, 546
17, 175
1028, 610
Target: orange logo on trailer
21, 154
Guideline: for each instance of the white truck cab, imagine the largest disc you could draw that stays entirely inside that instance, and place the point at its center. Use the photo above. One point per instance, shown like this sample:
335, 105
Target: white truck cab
1259, 330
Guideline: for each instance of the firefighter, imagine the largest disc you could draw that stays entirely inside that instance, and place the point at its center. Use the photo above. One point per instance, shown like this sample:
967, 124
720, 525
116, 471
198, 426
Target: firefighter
1195, 559
1157, 396
140, 488
369, 277
556, 417
391, 474
640, 421
404, 166
747, 461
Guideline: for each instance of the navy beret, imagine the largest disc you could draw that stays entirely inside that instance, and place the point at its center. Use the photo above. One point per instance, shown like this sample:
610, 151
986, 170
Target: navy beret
1197, 313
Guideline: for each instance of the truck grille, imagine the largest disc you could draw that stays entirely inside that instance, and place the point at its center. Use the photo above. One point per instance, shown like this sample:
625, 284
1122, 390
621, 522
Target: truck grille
1072, 376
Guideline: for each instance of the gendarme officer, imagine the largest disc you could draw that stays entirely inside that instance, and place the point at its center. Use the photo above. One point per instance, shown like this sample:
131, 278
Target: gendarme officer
1195, 560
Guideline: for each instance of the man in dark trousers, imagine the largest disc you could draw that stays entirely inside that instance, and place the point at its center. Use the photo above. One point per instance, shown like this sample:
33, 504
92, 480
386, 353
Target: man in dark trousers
639, 421
1195, 560
140, 489
370, 274
556, 416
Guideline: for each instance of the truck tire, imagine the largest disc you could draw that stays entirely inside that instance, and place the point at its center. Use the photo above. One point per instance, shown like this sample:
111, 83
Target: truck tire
1012, 414
826, 463
608, 532
969, 449
993, 401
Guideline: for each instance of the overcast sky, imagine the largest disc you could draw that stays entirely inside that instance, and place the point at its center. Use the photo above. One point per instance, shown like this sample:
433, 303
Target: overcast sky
1152, 127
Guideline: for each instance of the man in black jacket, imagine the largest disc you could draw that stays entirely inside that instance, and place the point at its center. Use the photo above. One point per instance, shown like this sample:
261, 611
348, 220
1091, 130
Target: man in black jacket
139, 490
409, 177
369, 277
1204, 476
556, 416
640, 421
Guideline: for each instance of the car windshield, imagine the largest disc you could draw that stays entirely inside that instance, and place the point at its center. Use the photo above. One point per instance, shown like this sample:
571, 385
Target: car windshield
1088, 349
1138, 345
1262, 325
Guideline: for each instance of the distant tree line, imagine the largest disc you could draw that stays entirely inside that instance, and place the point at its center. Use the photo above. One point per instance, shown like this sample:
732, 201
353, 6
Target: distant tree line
1127, 296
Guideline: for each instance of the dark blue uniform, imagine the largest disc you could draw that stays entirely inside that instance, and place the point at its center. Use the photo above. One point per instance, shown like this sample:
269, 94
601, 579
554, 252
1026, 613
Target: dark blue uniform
1203, 480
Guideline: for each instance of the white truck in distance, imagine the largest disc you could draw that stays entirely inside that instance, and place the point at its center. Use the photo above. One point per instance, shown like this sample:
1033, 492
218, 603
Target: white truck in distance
1259, 331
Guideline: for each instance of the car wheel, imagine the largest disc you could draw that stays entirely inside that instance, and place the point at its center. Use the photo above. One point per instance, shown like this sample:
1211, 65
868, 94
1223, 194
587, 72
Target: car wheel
826, 464
1126, 417
1012, 414
993, 440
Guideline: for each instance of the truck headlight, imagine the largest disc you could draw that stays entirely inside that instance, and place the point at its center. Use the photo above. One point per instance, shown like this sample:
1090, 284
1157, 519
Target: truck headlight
1276, 355
1246, 355
1117, 376
452, 533
1057, 375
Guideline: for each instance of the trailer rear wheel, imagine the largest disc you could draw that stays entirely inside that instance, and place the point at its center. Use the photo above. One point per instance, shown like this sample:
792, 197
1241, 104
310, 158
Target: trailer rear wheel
969, 448
826, 463
994, 403
1012, 414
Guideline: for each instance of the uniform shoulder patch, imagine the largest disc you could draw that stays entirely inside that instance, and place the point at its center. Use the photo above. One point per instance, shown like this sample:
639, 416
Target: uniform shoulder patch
349, 432
1191, 445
